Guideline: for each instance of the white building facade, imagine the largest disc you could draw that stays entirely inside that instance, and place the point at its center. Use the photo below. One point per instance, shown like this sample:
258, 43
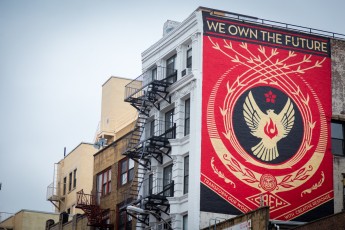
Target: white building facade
169, 97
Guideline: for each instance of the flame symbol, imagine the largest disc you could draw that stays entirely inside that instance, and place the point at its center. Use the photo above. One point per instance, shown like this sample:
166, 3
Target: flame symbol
271, 129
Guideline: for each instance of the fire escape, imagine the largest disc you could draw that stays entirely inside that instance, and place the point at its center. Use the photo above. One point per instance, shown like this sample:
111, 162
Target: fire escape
144, 93
96, 216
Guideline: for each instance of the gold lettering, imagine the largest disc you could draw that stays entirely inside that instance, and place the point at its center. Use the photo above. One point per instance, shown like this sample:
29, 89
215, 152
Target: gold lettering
317, 45
221, 28
287, 39
278, 38
254, 34
263, 35
303, 40
295, 41
216, 26
310, 44
232, 30
324, 47
271, 37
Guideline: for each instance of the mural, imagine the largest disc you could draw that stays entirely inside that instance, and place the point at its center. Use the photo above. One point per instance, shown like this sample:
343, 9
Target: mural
266, 121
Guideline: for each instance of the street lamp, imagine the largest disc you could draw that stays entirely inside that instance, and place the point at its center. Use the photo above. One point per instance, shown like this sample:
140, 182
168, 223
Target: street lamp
132, 208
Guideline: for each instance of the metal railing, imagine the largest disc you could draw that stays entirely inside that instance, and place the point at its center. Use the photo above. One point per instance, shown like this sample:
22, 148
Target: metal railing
85, 199
157, 188
138, 86
160, 128
282, 25
52, 192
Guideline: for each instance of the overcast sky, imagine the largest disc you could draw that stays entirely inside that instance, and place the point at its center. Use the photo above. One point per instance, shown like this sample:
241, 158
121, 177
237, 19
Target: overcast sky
56, 54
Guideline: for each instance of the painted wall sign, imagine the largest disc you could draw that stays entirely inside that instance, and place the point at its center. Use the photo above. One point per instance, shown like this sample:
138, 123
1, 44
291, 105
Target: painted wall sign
266, 121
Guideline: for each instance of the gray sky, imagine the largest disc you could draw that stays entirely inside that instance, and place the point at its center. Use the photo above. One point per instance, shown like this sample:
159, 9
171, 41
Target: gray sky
56, 54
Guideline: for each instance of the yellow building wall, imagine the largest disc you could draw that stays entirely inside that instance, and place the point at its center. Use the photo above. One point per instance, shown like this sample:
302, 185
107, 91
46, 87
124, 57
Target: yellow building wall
81, 158
29, 220
115, 113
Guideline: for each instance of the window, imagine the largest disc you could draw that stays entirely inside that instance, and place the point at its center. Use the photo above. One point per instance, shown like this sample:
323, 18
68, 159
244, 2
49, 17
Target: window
64, 185
75, 178
124, 221
154, 74
152, 128
150, 184
337, 134
167, 180
126, 171
70, 182
189, 58
343, 192
186, 175
185, 222
104, 182
171, 72
187, 117
169, 123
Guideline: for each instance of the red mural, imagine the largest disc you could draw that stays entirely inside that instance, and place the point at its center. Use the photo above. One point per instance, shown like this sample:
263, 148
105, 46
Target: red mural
266, 119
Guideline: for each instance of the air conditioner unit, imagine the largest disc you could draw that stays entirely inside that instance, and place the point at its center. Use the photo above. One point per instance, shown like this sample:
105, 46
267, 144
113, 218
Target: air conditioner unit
186, 71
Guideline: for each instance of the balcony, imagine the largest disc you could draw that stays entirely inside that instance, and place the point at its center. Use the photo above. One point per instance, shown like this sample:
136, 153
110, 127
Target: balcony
155, 143
149, 87
154, 201
97, 217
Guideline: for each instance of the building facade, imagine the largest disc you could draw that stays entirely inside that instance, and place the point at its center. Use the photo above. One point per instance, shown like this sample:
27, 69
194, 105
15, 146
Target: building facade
112, 179
115, 114
236, 113
75, 171
29, 220
71, 174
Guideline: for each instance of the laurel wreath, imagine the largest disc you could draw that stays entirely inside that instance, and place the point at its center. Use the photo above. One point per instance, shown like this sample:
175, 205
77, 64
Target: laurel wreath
301, 175
221, 175
315, 186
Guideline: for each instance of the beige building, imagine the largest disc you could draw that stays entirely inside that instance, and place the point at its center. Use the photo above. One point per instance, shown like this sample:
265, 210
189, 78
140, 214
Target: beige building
115, 113
71, 174
113, 177
75, 171
28, 220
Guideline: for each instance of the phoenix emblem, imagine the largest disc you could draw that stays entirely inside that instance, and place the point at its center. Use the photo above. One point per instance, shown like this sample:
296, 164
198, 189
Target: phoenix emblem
269, 127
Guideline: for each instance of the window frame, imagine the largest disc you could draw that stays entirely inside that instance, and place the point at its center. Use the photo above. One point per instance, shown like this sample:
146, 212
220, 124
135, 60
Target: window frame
124, 221
169, 122
105, 183
185, 174
74, 178
127, 172
167, 171
154, 74
187, 117
337, 139
189, 58
343, 182
185, 222
64, 190
171, 73
150, 184
70, 182
152, 128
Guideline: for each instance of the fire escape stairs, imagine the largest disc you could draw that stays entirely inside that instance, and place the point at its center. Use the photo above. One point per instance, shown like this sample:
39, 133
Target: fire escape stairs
95, 215
157, 145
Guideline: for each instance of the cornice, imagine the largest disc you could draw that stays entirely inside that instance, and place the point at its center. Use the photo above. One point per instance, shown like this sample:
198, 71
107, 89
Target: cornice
171, 37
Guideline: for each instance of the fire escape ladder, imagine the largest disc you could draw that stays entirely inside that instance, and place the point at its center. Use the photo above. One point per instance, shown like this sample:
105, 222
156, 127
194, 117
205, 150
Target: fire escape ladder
154, 204
96, 216
143, 94
137, 182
